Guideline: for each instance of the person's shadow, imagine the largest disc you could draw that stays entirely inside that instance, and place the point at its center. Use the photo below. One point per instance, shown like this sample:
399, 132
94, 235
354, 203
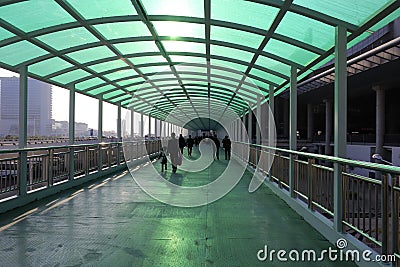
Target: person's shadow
176, 178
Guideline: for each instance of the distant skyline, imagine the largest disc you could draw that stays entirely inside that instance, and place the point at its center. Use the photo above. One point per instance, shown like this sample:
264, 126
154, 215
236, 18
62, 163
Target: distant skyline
86, 109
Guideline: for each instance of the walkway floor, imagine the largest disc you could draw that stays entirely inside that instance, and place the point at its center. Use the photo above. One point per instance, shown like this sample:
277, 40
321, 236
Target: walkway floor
111, 222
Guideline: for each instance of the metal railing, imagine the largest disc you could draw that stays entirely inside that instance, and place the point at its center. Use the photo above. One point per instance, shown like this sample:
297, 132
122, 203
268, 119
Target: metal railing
49, 166
370, 205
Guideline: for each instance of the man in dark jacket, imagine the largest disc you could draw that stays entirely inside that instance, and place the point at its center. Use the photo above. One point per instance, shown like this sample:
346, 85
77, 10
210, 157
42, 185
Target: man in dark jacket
217, 145
182, 143
226, 144
189, 143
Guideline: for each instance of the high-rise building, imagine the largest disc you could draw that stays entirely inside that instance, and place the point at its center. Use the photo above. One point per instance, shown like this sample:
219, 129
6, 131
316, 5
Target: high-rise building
39, 107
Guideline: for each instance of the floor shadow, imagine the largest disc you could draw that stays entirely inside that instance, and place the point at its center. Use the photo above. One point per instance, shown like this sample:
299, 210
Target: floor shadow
176, 178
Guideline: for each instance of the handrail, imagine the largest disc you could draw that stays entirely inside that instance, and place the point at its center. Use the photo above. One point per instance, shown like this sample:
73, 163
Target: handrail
28, 149
343, 161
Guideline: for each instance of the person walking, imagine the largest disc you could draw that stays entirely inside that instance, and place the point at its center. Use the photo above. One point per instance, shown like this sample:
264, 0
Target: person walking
227, 144
189, 143
173, 151
217, 145
182, 143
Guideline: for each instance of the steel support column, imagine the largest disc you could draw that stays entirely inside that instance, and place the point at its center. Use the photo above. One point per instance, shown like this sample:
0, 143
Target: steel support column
132, 124
310, 122
22, 130
141, 125
340, 121
292, 127
250, 125
259, 125
119, 134
71, 135
100, 132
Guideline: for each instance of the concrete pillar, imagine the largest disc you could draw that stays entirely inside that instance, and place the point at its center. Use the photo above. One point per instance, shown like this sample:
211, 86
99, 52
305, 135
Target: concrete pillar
380, 119
22, 130
328, 126
155, 127
310, 122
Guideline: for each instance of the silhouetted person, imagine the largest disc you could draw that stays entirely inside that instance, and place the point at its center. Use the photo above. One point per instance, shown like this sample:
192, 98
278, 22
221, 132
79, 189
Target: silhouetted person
182, 143
217, 145
226, 144
173, 151
164, 161
189, 143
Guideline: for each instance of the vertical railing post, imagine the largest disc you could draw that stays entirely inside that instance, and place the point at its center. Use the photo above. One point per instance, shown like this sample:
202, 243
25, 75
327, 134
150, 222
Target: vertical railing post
310, 180
395, 215
119, 134
51, 166
384, 212
86, 161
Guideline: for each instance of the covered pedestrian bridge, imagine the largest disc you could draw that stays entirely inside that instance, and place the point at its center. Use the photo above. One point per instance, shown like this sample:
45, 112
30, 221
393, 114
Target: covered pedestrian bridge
191, 67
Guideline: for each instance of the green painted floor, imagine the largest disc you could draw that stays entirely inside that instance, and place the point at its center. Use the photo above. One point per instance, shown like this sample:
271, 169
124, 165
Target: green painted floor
111, 222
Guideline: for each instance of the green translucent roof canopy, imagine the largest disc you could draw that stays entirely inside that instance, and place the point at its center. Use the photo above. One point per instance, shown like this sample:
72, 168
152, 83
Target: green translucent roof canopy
152, 55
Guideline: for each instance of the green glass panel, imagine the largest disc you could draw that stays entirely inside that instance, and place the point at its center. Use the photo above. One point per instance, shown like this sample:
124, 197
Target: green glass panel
113, 93
131, 81
155, 69
89, 83
4, 34
35, 14
227, 83
127, 29
181, 46
266, 76
101, 90
137, 47
307, 30
243, 12
103, 8
170, 82
68, 38
71, 76
121, 74
228, 64
120, 98
261, 84
188, 59
192, 76
176, 29
355, 11
147, 59
187, 8
185, 68
236, 36
231, 73
231, 53
126, 102
49, 66
273, 64
19, 52
163, 76
91, 54
109, 65
291, 52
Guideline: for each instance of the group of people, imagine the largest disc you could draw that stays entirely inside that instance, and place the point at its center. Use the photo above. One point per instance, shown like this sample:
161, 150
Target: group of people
175, 150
